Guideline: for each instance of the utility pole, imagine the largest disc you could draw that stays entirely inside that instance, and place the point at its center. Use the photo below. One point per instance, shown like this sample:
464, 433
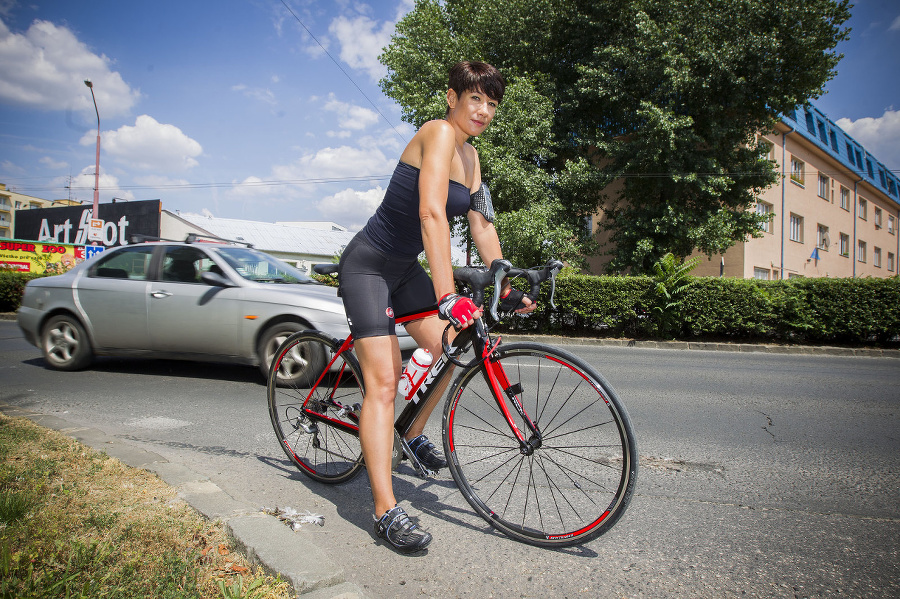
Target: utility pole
95, 215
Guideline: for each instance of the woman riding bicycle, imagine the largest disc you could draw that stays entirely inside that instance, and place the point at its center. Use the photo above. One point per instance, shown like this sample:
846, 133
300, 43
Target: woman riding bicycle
438, 177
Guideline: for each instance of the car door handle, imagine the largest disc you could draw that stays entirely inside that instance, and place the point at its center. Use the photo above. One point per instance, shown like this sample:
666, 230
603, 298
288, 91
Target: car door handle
160, 294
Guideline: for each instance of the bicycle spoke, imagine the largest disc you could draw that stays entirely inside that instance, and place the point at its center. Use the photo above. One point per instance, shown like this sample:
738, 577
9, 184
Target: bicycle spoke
574, 481
304, 409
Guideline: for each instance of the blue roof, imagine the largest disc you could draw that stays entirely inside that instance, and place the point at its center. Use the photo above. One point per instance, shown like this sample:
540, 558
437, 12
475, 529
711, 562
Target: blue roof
814, 125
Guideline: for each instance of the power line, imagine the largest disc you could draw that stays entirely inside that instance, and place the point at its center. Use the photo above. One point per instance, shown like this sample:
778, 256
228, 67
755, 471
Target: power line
214, 185
346, 74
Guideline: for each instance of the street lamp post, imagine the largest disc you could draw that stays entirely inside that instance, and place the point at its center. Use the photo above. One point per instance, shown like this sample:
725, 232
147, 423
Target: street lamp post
95, 214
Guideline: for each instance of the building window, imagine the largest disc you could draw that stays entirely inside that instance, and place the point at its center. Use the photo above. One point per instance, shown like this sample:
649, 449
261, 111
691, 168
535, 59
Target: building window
796, 228
890, 264
823, 186
877, 216
876, 257
890, 224
822, 135
769, 148
861, 251
761, 274
822, 239
765, 209
845, 198
798, 168
845, 245
862, 210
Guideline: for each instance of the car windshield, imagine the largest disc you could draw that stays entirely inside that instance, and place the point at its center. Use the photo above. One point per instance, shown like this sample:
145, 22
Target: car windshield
254, 265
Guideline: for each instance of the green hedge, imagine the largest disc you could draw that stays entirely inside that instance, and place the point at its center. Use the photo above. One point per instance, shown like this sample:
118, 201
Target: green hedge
839, 311
820, 311
12, 286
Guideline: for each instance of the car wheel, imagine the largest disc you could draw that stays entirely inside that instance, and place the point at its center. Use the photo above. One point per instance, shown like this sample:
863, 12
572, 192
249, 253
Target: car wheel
305, 363
65, 343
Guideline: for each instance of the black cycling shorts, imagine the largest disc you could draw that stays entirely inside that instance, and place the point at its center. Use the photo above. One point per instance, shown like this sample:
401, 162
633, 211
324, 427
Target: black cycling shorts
376, 288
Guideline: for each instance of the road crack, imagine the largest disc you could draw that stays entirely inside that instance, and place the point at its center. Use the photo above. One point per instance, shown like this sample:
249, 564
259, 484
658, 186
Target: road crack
769, 423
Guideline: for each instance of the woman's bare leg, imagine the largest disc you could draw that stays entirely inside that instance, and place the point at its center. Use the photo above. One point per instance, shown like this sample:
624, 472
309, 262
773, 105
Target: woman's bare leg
380, 360
428, 333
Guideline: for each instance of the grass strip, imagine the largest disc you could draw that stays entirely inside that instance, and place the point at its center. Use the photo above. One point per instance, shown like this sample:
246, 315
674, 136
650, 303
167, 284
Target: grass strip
77, 523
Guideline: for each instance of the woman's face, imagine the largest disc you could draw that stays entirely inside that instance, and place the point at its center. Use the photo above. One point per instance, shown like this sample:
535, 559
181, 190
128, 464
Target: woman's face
473, 110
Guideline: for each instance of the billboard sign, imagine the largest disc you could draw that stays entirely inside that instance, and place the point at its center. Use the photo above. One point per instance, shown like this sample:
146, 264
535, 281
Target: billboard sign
75, 224
43, 258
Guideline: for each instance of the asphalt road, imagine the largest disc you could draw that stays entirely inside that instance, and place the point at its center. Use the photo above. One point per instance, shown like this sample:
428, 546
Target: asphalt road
762, 475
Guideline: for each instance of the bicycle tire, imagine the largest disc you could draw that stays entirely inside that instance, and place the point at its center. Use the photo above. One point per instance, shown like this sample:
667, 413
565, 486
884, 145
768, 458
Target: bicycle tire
322, 439
578, 483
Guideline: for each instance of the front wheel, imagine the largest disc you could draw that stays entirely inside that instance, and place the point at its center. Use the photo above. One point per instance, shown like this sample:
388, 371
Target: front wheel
569, 487
316, 416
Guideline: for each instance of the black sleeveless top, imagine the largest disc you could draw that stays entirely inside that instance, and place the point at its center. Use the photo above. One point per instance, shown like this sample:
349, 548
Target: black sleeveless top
395, 228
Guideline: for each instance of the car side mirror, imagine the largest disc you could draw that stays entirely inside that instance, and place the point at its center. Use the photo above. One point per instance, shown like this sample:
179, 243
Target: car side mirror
215, 279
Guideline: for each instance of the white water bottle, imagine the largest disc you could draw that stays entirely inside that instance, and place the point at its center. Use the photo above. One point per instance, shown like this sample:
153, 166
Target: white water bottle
414, 373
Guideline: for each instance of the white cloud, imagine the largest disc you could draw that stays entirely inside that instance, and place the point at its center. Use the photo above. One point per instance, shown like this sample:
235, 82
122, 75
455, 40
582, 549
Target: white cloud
249, 188
264, 95
350, 207
336, 163
82, 186
149, 145
52, 164
880, 136
46, 66
159, 181
351, 116
11, 168
895, 26
362, 41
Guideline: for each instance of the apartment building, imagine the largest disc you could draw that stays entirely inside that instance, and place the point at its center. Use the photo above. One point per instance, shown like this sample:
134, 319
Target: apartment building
10, 201
835, 210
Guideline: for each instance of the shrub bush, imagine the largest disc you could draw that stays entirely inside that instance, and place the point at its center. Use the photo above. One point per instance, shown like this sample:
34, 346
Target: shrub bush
840, 311
12, 286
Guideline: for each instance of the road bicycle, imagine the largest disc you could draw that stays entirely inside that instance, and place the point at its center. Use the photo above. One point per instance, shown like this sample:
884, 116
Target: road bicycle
535, 438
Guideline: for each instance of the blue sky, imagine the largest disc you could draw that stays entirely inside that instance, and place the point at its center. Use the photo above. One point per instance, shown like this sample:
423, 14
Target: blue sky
231, 108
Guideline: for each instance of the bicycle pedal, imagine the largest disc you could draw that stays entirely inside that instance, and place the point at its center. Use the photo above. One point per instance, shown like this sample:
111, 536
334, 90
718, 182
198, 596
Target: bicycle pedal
403, 452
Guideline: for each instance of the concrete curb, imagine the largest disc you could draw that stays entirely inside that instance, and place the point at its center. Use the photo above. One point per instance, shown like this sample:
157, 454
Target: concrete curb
817, 350
262, 538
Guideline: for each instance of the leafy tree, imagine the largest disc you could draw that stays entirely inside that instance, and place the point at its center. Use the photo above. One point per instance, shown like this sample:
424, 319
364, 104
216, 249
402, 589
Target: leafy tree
667, 95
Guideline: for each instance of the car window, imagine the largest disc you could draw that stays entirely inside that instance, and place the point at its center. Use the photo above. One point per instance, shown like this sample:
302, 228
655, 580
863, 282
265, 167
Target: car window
254, 265
183, 264
126, 263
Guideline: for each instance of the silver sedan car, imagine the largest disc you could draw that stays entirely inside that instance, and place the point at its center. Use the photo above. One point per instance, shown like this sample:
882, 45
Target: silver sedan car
193, 301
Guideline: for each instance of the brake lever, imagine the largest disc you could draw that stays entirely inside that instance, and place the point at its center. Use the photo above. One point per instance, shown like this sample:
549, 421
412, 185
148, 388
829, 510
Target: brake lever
499, 268
555, 267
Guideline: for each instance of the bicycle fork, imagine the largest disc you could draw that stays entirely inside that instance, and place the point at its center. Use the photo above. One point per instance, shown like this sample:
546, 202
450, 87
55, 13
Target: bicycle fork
502, 387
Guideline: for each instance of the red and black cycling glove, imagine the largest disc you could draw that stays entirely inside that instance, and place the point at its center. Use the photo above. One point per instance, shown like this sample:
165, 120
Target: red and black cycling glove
457, 309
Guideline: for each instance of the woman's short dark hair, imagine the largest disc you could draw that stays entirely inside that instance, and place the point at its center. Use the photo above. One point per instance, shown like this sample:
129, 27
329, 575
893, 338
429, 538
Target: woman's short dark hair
477, 76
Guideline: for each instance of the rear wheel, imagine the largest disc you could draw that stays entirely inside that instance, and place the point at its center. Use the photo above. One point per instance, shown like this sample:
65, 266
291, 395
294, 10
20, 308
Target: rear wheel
568, 488
316, 417
65, 343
